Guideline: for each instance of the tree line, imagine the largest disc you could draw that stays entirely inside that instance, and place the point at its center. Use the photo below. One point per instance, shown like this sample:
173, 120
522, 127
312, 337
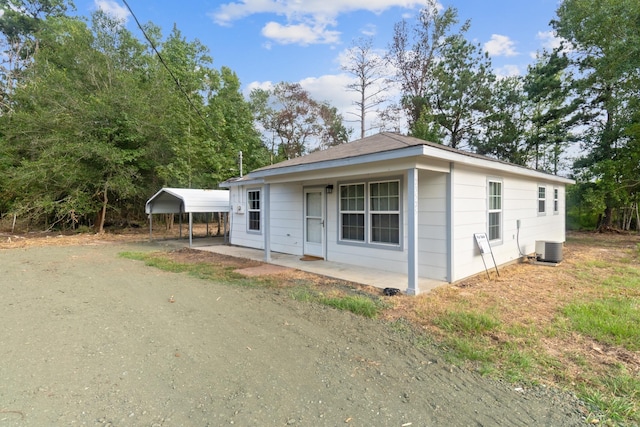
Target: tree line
93, 120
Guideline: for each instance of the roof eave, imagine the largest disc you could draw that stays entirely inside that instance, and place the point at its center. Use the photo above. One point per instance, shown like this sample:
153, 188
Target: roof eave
258, 177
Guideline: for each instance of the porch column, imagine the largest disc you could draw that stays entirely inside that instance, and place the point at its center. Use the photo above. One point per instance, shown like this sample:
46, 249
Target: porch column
412, 240
266, 222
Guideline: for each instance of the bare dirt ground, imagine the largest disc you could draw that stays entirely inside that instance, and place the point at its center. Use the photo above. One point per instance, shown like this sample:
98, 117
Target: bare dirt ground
90, 338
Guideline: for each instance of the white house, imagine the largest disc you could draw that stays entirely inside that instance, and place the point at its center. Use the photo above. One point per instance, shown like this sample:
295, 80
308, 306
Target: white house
400, 204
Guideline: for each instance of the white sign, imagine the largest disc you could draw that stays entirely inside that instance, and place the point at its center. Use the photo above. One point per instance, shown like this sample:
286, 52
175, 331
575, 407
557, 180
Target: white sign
483, 243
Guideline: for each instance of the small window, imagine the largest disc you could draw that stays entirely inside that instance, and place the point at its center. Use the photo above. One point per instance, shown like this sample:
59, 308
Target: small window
542, 200
253, 208
495, 210
352, 212
556, 202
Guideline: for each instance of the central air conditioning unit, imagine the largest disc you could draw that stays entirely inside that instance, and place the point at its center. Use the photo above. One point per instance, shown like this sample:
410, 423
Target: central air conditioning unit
548, 251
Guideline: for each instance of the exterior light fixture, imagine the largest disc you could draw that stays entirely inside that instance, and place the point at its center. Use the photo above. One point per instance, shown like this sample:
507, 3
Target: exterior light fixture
329, 188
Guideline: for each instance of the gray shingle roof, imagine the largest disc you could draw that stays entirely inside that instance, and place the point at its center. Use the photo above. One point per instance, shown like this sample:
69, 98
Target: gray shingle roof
385, 141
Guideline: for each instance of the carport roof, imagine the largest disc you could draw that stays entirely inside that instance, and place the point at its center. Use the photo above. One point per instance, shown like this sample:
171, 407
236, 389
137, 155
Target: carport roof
179, 200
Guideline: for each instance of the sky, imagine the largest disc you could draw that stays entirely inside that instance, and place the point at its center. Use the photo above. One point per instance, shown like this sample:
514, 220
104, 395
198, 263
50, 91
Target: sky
304, 41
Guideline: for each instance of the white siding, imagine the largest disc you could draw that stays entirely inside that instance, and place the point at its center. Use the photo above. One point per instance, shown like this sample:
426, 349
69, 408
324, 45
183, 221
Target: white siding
446, 222
238, 219
432, 225
520, 202
287, 218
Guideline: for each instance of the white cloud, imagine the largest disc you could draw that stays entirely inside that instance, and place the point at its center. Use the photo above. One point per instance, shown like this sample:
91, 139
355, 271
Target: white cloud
307, 21
113, 9
549, 39
500, 45
369, 30
507, 71
299, 34
549, 42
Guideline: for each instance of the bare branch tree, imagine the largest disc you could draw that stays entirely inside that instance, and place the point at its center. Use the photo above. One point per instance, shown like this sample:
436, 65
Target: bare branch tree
370, 81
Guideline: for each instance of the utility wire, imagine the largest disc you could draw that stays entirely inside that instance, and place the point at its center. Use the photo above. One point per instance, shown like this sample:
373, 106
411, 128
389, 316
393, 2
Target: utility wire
164, 64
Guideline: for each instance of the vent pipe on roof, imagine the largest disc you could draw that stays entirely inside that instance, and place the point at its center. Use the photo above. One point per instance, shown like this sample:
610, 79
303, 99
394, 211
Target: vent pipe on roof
240, 162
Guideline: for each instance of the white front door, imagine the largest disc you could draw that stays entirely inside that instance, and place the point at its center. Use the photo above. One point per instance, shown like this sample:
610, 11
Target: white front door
314, 222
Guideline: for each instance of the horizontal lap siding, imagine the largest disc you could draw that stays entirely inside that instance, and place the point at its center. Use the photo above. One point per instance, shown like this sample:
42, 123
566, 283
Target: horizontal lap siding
469, 217
520, 202
432, 225
239, 221
287, 218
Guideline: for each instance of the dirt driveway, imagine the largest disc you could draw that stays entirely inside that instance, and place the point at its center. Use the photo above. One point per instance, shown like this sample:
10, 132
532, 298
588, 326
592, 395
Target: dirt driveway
89, 338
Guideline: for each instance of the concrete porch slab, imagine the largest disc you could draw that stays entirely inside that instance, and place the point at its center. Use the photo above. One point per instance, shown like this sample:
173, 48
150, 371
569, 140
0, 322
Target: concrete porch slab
365, 276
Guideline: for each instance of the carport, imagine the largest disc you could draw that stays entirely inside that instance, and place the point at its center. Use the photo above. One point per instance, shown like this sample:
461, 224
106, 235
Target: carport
187, 200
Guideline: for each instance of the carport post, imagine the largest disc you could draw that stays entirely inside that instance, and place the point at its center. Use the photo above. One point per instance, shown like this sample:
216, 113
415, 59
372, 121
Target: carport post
150, 223
190, 229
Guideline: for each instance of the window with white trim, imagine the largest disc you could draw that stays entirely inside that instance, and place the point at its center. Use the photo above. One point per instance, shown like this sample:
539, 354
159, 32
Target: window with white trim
352, 212
542, 199
494, 216
384, 198
253, 209
556, 200
370, 212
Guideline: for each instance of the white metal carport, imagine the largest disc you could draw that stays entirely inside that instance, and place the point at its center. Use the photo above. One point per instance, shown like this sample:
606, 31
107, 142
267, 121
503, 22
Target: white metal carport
186, 200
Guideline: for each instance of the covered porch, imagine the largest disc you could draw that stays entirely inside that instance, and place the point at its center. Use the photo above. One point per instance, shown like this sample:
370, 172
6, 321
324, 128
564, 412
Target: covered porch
351, 273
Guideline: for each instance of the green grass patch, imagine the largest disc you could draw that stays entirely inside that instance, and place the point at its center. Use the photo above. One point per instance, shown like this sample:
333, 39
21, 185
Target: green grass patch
200, 270
358, 304
617, 396
466, 323
613, 321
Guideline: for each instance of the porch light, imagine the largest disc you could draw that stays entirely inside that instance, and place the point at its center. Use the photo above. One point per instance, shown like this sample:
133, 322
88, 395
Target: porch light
329, 188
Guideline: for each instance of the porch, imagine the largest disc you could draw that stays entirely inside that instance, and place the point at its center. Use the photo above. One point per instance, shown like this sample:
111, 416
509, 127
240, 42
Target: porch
365, 276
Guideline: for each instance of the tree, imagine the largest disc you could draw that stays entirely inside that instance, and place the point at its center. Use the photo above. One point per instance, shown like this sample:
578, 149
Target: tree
460, 94
333, 130
232, 116
21, 22
506, 123
299, 122
552, 113
605, 52
368, 70
414, 54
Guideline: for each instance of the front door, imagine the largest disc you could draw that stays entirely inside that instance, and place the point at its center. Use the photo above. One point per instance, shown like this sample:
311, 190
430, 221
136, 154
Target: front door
314, 222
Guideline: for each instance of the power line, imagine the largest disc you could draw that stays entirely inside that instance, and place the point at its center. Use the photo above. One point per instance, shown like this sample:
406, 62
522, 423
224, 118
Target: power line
164, 64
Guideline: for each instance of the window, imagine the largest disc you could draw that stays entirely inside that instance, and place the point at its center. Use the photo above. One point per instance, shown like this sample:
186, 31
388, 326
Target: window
495, 210
385, 212
253, 208
370, 212
542, 200
556, 203
352, 212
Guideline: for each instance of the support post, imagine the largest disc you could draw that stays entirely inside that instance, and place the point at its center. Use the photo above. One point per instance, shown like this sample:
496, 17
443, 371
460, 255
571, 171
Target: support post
412, 240
190, 229
266, 221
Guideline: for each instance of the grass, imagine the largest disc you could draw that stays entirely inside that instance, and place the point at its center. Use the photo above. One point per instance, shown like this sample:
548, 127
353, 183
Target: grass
614, 321
200, 270
361, 305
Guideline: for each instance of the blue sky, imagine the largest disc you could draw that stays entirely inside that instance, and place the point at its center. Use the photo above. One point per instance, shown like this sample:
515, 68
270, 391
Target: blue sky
268, 41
